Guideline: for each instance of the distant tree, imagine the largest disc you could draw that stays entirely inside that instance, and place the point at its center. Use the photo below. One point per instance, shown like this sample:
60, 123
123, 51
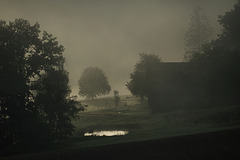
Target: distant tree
198, 33
139, 83
26, 58
116, 97
93, 83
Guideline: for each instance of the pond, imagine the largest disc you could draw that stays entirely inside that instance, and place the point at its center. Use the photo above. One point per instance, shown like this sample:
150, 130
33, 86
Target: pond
106, 133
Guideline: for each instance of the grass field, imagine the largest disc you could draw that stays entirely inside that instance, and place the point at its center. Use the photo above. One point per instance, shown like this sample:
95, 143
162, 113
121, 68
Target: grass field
134, 116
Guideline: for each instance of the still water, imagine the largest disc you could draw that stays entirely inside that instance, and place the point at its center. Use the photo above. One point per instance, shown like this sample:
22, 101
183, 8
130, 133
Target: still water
106, 133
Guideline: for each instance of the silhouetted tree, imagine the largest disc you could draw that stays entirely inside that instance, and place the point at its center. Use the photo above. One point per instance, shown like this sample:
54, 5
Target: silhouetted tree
26, 58
226, 47
139, 83
198, 33
93, 83
222, 57
57, 107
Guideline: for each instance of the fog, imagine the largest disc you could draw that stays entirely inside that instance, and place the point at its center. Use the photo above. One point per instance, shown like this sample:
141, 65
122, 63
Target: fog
111, 34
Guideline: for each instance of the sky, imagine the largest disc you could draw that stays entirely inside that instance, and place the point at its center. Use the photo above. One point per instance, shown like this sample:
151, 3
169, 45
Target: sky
110, 34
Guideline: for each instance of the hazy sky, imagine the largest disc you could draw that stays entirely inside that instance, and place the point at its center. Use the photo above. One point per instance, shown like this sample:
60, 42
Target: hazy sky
110, 34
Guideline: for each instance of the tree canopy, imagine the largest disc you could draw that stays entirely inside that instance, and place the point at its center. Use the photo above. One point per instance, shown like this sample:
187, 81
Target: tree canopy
222, 57
198, 33
139, 83
93, 83
226, 47
35, 100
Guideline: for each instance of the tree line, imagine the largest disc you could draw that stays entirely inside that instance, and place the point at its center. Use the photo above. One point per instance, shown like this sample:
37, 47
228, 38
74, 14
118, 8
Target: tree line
218, 59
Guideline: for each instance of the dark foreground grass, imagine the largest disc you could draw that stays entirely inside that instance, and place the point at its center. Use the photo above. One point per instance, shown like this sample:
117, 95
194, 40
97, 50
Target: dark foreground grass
149, 134
143, 125
218, 145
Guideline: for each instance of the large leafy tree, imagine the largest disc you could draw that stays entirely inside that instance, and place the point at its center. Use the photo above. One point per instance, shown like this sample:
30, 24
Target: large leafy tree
27, 61
199, 32
93, 83
222, 57
226, 48
139, 84
57, 108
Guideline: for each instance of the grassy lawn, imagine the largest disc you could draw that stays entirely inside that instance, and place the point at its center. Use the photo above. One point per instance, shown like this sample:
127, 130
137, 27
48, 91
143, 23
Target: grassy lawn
134, 116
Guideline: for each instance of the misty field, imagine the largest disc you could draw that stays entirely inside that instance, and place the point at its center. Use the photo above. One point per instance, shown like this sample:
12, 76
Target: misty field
147, 132
134, 116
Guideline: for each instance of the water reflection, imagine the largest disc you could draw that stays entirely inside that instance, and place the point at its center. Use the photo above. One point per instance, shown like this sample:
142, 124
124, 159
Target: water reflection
106, 133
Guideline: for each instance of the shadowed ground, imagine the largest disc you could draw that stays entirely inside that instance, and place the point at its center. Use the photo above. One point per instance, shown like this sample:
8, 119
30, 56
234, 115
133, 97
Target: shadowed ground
220, 145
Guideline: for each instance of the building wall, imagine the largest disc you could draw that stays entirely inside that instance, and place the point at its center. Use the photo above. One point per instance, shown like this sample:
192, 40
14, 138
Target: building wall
186, 85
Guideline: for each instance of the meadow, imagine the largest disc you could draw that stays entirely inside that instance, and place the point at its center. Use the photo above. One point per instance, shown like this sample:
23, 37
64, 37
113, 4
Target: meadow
147, 131
135, 116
